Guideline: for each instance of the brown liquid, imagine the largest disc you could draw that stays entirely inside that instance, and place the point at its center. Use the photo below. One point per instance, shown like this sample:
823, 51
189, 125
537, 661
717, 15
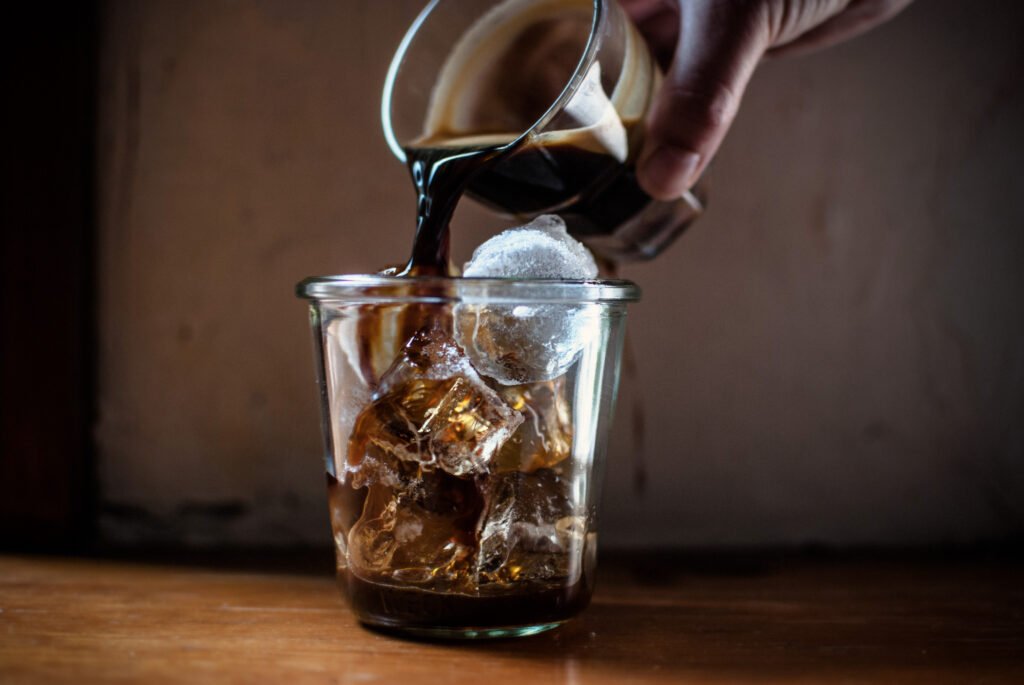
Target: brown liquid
594, 193
405, 607
486, 606
440, 176
500, 78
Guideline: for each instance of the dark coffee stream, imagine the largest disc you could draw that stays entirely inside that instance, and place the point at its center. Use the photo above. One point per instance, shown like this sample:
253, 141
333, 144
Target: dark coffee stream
594, 191
508, 176
440, 176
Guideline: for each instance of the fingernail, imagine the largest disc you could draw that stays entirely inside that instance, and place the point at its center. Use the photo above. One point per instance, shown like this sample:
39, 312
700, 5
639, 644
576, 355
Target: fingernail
668, 172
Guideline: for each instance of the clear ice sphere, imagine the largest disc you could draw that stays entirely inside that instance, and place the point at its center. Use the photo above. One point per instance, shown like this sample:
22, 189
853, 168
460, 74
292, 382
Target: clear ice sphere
525, 343
541, 249
516, 344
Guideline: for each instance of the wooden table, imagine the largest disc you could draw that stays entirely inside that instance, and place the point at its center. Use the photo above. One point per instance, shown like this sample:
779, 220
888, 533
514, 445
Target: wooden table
653, 620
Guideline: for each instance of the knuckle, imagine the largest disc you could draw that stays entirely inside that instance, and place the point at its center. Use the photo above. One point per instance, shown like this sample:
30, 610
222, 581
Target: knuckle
706, 109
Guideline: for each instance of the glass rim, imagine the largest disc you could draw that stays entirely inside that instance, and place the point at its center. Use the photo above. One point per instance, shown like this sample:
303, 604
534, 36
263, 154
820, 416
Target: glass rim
598, 18
377, 289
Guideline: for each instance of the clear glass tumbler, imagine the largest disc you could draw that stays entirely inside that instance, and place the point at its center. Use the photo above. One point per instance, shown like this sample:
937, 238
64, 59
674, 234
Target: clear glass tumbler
465, 425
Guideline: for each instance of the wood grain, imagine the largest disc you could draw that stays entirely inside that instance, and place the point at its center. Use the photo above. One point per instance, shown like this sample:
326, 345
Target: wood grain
657, 622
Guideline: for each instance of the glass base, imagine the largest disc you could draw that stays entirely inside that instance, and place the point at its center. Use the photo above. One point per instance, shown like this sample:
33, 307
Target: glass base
462, 633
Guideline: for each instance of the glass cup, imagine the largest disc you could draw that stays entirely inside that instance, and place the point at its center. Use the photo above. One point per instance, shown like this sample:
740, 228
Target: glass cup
561, 88
465, 425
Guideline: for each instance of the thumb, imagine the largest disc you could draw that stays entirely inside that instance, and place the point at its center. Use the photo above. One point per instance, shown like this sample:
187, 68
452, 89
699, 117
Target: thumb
719, 45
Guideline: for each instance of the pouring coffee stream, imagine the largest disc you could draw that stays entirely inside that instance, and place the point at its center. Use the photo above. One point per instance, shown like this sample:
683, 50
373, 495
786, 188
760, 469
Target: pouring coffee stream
583, 171
467, 416
530, 107
440, 177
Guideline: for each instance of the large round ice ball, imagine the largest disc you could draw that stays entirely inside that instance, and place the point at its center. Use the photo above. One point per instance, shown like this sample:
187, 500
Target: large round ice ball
524, 343
539, 249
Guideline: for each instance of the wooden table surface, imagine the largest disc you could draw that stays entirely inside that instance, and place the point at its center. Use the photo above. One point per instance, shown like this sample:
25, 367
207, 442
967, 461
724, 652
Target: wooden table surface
654, 620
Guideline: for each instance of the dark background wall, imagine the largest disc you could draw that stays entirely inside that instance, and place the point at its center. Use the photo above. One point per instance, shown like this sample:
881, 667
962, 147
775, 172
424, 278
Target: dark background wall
834, 354
47, 275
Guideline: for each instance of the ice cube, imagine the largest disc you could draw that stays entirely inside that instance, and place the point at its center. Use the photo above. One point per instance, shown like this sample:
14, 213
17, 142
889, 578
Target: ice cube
524, 343
432, 410
530, 529
468, 427
347, 390
369, 337
539, 249
422, 538
545, 437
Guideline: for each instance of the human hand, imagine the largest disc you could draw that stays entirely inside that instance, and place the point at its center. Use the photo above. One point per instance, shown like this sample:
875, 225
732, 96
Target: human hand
711, 48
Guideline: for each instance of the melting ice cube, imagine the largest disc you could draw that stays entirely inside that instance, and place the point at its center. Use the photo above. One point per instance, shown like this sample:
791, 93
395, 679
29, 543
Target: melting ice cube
539, 249
523, 343
545, 437
530, 529
431, 410
422, 537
